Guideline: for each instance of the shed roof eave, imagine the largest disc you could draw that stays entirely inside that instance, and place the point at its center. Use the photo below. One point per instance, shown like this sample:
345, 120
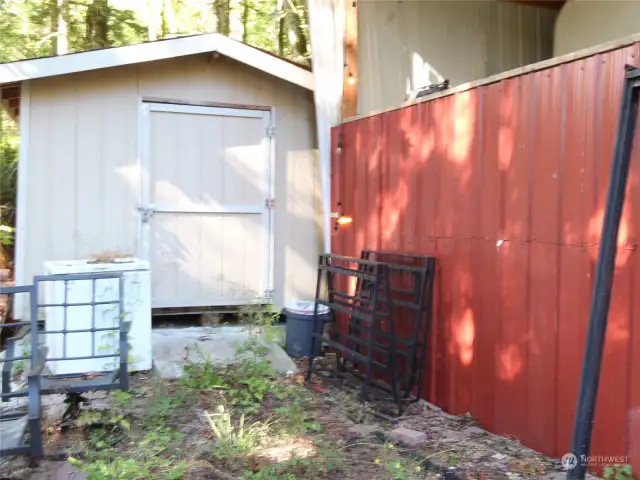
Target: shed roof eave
151, 51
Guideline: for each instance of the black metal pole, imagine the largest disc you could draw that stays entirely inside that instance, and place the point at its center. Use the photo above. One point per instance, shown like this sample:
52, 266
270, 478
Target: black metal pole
601, 293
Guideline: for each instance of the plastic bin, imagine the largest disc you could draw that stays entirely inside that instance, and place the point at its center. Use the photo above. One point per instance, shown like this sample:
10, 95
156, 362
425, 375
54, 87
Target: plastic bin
299, 329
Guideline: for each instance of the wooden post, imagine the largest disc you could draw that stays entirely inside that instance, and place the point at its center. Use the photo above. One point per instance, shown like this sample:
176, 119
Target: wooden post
326, 19
350, 80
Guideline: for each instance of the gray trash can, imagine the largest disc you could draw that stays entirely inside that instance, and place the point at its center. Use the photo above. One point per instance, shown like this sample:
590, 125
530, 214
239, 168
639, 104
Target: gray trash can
299, 318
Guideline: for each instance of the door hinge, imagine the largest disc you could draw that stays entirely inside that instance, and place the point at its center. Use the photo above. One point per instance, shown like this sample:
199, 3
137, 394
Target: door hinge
270, 203
271, 131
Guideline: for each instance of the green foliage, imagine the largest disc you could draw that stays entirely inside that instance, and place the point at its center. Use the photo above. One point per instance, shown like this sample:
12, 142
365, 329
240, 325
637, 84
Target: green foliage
145, 462
162, 407
201, 376
235, 439
325, 460
103, 417
618, 472
6, 235
298, 419
249, 382
396, 466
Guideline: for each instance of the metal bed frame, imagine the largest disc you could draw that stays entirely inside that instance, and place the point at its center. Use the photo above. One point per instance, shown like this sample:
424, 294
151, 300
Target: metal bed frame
43, 382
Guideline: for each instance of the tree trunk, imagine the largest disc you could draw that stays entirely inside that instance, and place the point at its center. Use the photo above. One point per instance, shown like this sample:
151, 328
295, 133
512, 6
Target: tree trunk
299, 20
292, 37
59, 43
245, 21
97, 20
152, 31
280, 27
223, 25
168, 18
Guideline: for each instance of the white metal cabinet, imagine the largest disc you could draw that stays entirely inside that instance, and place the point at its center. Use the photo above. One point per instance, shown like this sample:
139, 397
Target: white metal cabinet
137, 309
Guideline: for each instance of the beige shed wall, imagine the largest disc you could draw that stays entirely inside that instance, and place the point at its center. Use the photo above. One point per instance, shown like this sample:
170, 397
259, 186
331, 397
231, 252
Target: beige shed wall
406, 45
83, 176
586, 23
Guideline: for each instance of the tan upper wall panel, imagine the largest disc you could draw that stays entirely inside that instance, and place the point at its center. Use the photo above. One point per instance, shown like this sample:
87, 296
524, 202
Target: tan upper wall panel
407, 45
583, 24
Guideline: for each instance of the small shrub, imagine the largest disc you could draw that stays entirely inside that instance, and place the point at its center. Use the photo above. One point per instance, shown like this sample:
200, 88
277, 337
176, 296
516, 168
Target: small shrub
299, 420
235, 439
249, 382
618, 472
201, 376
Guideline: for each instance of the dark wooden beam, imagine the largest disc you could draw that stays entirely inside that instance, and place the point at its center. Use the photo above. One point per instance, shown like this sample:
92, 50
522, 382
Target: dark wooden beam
350, 77
10, 92
14, 102
550, 4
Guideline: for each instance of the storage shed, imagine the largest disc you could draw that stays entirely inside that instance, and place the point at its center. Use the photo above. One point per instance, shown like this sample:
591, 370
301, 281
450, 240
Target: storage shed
196, 153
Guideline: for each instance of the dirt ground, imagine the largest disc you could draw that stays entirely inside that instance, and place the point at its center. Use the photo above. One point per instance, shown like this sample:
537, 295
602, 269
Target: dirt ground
161, 430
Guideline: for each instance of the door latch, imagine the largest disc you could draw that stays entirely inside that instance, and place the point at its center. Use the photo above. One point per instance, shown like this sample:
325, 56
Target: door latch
146, 213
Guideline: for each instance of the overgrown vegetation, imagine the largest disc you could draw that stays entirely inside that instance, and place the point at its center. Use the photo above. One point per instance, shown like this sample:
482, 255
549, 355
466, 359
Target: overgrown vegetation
245, 411
618, 472
245, 422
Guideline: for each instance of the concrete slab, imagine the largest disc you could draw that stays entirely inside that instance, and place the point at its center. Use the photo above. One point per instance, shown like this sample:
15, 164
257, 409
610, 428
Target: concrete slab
173, 347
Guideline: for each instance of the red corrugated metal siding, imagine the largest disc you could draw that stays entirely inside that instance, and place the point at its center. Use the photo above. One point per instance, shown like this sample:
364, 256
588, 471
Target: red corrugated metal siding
505, 184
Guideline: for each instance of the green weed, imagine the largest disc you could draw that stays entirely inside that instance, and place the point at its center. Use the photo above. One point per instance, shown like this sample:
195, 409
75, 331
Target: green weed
618, 472
298, 419
235, 439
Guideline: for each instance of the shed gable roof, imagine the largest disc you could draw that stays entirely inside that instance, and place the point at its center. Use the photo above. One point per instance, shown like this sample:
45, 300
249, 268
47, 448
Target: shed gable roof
159, 50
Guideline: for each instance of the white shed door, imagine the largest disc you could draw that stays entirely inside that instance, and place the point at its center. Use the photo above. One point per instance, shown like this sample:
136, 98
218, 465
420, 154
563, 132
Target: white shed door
205, 215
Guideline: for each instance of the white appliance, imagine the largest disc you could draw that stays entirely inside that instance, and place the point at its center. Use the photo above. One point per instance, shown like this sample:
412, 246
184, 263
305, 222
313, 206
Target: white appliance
137, 309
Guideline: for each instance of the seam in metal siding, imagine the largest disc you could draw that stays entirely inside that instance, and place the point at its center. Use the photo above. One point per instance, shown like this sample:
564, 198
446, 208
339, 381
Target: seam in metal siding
505, 185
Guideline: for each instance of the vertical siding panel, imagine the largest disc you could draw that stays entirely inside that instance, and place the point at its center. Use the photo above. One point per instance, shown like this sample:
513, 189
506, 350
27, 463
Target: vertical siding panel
609, 428
446, 203
633, 409
119, 192
415, 171
547, 173
462, 158
483, 280
410, 121
62, 156
89, 150
514, 157
40, 172
463, 325
348, 186
429, 185
542, 347
360, 213
397, 195
427, 200
489, 200
633, 405
512, 350
575, 268
296, 239
372, 130
445, 282
512, 353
